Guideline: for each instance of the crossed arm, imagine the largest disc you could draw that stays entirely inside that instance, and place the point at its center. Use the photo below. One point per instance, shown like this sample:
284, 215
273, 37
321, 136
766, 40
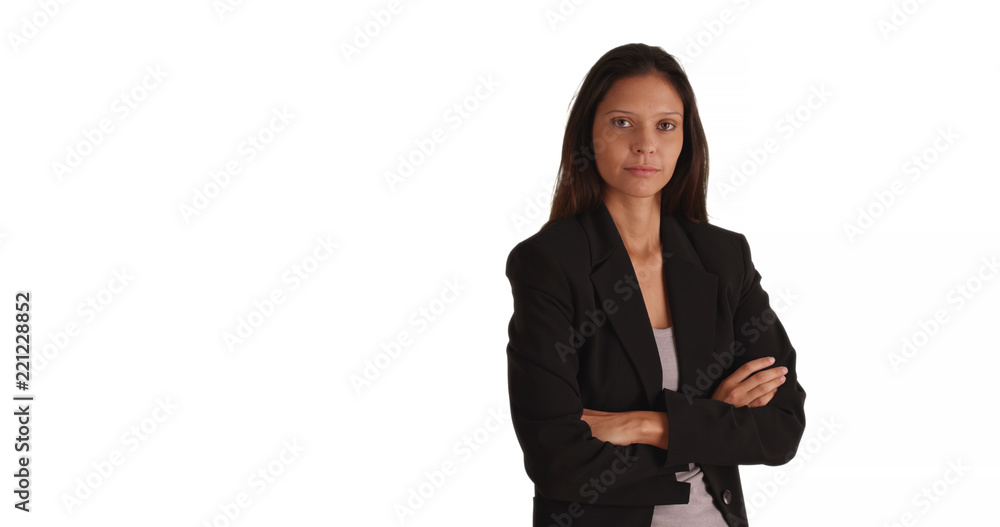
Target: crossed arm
750, 385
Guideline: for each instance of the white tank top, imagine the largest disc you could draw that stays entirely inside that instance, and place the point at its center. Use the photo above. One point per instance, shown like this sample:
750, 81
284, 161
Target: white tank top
699, 511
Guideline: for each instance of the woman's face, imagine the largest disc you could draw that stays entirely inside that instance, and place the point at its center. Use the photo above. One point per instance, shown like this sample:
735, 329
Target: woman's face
639, 123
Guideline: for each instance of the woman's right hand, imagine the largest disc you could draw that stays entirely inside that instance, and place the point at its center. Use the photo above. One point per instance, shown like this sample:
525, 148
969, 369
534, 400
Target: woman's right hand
746, 388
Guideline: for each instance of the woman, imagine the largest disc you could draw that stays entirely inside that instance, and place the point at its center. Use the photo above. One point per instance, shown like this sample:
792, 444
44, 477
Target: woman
645, 363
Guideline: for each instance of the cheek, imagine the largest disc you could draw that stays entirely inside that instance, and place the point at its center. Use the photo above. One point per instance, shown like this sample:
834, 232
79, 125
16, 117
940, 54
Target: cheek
678, 142
607, 156
610, 147
672, 149
607, 139
600, 148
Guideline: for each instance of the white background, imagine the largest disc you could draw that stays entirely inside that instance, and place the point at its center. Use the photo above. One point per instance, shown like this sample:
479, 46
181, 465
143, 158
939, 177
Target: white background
878, 432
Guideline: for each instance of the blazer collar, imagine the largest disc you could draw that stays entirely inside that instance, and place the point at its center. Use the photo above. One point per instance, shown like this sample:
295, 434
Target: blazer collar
691, 292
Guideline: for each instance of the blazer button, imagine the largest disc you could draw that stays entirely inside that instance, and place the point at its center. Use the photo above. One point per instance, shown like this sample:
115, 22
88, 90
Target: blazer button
727, 497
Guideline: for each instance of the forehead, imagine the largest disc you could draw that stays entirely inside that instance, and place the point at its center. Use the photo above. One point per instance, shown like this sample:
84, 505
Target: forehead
649, 94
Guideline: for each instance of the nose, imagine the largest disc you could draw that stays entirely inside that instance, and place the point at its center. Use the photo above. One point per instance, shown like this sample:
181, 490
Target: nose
643, 142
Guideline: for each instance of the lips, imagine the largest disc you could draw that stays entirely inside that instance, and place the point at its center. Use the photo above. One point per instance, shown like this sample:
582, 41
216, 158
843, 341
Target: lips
642, 170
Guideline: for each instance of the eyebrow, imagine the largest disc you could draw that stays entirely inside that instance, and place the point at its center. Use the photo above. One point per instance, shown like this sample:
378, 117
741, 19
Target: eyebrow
631, 113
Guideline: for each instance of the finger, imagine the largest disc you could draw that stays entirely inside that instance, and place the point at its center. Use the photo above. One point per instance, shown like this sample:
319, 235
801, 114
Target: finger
766, 387
749, 368
764, 376
763, 399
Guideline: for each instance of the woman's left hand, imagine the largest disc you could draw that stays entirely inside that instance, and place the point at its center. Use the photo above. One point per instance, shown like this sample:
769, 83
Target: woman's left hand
620, 428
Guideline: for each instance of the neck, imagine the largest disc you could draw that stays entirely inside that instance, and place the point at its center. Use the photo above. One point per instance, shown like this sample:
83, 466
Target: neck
638, 222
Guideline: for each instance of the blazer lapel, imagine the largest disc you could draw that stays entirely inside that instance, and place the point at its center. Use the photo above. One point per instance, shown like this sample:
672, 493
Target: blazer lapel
691, 291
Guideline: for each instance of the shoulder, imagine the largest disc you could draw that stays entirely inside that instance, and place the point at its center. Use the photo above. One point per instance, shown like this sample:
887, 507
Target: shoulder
708, 233
558, 248
718, 247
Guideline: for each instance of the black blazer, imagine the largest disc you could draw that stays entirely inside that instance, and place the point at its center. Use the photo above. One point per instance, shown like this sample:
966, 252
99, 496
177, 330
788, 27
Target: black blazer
580, 337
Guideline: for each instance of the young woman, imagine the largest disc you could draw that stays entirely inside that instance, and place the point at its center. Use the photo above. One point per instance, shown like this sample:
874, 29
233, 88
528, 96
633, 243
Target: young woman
645, 363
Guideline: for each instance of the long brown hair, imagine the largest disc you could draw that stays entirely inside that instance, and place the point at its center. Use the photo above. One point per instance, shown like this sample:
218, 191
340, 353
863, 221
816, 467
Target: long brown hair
579, 188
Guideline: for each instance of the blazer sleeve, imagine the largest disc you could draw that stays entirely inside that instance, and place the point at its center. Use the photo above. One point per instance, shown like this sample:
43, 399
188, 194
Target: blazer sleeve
703, 430
561, 456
